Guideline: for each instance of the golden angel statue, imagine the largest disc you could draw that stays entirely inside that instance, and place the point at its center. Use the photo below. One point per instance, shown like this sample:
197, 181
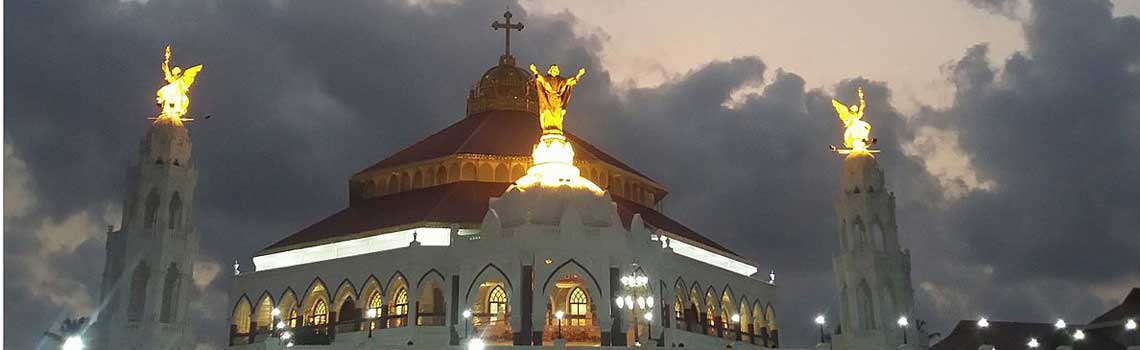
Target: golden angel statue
857, 136
553, 95
172, 97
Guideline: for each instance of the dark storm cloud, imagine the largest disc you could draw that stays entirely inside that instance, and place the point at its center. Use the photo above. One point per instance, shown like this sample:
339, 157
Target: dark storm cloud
306, 93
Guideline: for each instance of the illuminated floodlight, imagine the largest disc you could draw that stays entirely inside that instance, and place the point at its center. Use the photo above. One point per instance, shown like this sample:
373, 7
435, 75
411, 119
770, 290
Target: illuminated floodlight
903, 322
820, 320
476, 344
1033, 344
1130, 325
1079, 335
1060, 324
983, 323
73, 343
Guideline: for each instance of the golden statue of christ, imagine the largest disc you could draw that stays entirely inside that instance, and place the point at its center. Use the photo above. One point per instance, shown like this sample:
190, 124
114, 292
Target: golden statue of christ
553, 95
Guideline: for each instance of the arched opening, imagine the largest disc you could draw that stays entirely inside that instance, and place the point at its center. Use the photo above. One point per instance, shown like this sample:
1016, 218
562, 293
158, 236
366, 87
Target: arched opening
241, 317
381, 187
501, 173
727, 310
429, 178
486, 173
394, 183
373, 298
440, 175
468, 172
139, 280
170, 294
866, 305
679, 312
571, 295
315, 308
860, 232
431, 309
418, 180
405, 181
398, 310
344, 303
174, 219
517, 172
492, 314
453, 172
696, 315
150, 216
263, 315
288, 306
746, 331
773, 333
711, 319
759, 327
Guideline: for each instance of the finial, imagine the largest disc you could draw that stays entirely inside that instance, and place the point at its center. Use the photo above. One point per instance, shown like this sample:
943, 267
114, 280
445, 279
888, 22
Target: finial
237, 268
507, 26
415, 239
772, 277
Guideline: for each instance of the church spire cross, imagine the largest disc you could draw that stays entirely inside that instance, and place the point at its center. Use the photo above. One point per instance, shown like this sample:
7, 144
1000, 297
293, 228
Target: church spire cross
507, 27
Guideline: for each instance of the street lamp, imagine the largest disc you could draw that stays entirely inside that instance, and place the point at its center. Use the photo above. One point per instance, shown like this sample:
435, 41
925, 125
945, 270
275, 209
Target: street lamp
1130, 327
736, 321
1060, 324
1079, 335
983, 323
903, 322
820, 321
558, 315
1033, 344
73, 343
637, 297
371, 321
466, 320
649, 321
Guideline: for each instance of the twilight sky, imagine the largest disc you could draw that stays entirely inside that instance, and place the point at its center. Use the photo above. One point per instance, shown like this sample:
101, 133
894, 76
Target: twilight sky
1010, 131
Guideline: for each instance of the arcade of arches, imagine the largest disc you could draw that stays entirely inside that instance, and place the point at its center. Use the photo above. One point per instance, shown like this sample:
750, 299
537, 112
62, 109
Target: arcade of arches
693, 309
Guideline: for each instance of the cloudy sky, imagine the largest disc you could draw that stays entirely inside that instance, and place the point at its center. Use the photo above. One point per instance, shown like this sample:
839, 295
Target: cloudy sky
1010, 131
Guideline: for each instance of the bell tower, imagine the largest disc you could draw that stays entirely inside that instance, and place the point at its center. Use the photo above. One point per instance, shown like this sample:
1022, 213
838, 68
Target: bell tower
147, 277
872, 272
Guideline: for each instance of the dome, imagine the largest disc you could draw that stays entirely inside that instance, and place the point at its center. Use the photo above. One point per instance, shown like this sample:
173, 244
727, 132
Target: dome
503, 87
861, 173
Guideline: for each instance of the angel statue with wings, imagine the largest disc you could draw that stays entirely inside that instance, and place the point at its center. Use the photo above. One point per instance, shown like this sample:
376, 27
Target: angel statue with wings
857, 136
553, 95
172, 97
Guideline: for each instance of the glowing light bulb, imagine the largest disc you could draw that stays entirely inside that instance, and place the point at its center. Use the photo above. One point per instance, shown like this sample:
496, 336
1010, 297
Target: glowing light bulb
1130, 325
1060, 324
559, 314
641, 302
1079, 335
903, 322
1033, 343
73, 343
629, 301
467, 313
983, 323
735, 318
649, 300
276, 312
280, 324
820, 320
476, 344
286, 335
649, 316
620, 302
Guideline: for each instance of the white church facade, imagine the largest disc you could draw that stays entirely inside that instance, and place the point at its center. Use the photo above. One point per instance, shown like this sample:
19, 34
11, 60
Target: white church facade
496, 232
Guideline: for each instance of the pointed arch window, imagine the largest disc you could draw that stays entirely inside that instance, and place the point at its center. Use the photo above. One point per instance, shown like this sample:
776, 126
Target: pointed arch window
375, 303
320, 313
292, 318
866, 306
679, 311
497, 302
579, 307
170, 294
150, 216
174, 220
399, 310
137, 302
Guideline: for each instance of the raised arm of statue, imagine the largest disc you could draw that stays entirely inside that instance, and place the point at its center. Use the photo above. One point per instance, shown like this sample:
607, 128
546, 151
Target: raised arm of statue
862, 102
574, 79
166, 66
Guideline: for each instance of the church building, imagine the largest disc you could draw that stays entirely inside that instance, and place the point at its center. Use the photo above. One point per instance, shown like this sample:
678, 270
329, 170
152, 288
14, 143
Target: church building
502, 230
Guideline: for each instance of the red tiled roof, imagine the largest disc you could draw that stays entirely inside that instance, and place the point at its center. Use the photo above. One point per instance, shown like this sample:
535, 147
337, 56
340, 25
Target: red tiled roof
497, 132
464, 202
1015, 335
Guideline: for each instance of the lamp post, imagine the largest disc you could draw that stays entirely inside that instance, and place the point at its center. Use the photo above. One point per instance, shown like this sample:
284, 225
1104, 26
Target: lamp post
371, 321
821, 321
466, 320
983, 323
649, 322
1079, 335
558, 315
1033, 344
1130, 327
736, 321
903, 322
637, 297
